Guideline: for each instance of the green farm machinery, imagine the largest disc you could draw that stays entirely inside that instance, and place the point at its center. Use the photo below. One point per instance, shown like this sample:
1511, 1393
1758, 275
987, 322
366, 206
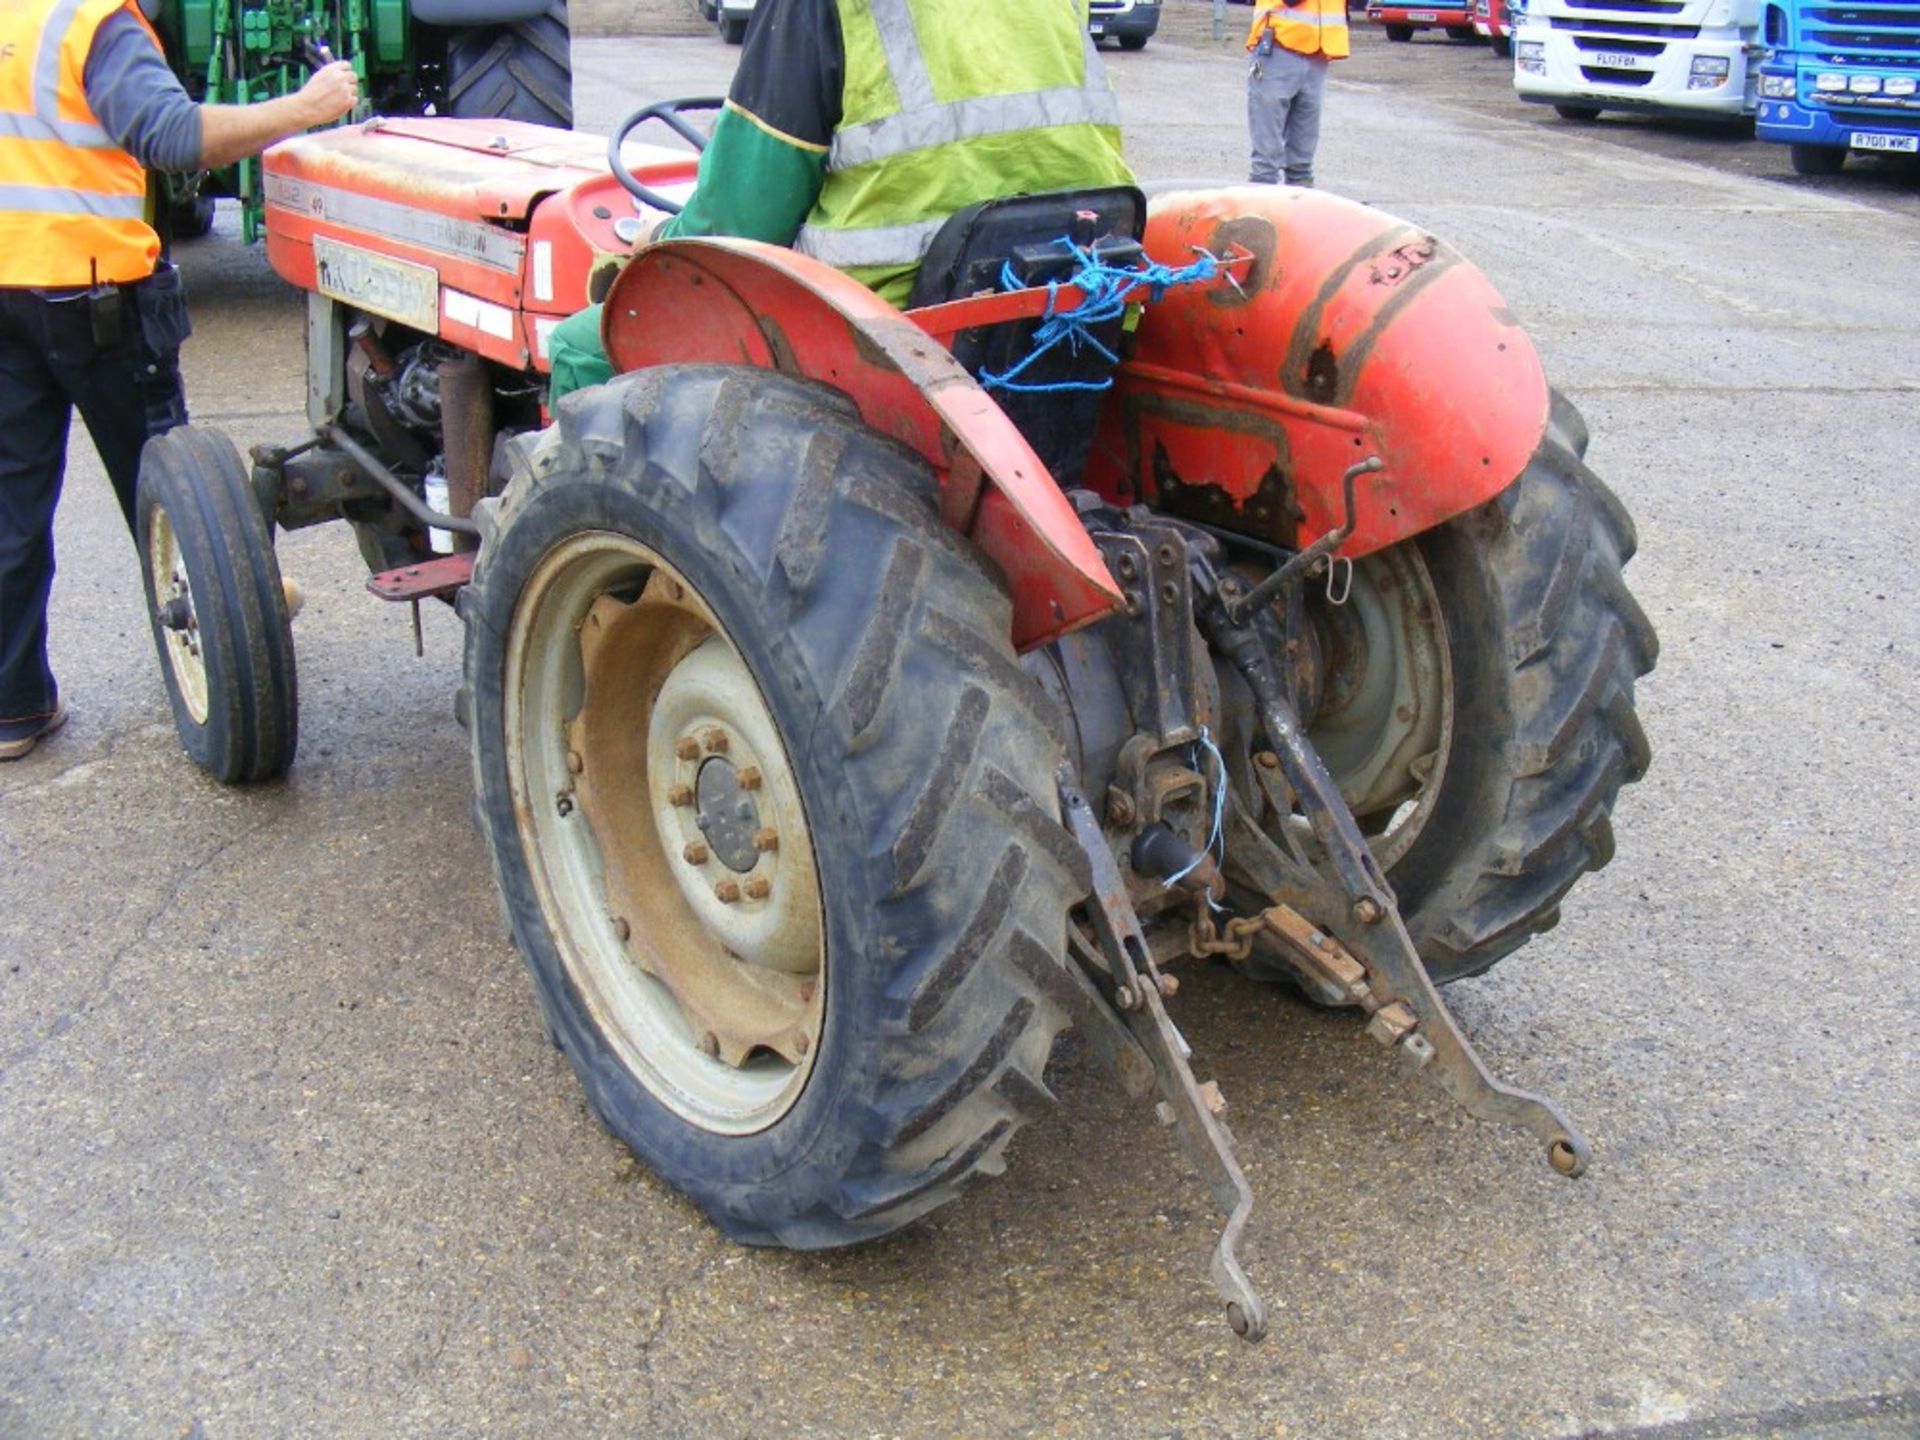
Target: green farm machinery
474, 59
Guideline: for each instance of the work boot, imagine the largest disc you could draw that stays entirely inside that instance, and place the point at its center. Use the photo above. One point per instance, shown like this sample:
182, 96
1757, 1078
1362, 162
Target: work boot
18, 737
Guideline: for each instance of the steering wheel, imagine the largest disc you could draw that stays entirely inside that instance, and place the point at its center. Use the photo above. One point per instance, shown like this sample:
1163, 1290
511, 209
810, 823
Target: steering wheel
668, 112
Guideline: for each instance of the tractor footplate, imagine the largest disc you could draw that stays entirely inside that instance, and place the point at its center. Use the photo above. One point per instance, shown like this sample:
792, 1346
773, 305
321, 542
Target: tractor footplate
1123, 966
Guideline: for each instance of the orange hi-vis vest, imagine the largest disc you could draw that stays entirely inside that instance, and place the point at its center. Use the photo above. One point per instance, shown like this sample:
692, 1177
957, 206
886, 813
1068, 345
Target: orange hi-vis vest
1313, 27
72, 203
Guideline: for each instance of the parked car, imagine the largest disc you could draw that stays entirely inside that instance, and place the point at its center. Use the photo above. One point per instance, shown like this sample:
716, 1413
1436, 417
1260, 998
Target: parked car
1131, 22
1401, 20
733, 16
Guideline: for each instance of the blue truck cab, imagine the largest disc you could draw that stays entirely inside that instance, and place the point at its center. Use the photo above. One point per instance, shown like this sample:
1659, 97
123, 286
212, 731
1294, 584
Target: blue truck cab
1839, 78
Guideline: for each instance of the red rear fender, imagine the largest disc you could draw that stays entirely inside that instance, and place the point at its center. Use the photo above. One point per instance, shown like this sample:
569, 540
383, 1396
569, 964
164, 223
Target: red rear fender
738, 302
1358, 335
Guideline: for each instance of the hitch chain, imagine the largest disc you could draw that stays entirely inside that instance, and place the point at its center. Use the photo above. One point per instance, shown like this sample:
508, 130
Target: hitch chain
1327, 961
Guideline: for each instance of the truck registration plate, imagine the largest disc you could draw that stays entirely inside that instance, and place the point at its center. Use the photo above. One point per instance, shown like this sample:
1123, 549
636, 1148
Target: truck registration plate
1096, 29
1422, 15
1901, 144
1617, 59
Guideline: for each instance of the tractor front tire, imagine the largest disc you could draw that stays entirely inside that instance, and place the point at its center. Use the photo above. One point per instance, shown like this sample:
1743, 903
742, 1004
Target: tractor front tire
217, 606
522, 71
771, 806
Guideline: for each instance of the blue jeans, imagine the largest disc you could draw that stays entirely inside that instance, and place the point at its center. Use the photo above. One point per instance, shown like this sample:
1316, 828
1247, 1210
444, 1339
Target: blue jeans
50, 365
1284, 94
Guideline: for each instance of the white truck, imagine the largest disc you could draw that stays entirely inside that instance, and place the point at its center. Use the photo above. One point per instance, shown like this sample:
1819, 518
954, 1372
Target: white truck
1697, 58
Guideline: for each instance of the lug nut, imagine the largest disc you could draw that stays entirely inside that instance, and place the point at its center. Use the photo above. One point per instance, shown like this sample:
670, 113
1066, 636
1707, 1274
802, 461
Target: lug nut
715, 739
766, 839
621, 930
574, 763
727, 892
1367, 910
1267, 760
758, 887
680, 795
709, 1043
747, 777
801, 1045
686, 748
696, 853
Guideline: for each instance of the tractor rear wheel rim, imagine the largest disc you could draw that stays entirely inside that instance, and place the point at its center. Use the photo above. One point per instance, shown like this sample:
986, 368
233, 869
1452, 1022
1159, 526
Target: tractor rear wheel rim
171, 587
1384, 722
665, 833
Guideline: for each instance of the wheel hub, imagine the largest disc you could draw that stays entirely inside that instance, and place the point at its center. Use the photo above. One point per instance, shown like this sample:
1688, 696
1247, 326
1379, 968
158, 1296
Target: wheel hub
726, 814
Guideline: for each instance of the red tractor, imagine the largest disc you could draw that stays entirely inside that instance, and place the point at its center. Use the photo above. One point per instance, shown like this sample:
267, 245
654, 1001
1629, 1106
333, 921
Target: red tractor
859, 697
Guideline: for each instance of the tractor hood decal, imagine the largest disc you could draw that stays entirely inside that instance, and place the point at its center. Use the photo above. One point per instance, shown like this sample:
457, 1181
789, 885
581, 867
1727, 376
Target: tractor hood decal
470, 239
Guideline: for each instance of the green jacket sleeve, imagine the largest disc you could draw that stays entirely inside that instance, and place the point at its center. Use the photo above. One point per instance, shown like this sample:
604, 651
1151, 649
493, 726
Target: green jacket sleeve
754, 182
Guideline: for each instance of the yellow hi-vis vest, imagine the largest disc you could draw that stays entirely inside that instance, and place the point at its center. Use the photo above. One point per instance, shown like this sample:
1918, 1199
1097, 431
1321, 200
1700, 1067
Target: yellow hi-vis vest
72, 203
948, 102
1313, 27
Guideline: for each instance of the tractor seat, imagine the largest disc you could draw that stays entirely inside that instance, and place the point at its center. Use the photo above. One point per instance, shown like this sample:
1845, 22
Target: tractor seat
969, 255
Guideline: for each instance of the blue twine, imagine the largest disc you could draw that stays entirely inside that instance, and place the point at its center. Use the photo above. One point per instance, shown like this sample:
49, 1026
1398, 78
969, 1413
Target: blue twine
1106, 288
1219, 817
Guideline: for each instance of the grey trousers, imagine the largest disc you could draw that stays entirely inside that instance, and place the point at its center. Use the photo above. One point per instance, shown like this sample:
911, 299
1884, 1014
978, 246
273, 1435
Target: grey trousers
1284, 95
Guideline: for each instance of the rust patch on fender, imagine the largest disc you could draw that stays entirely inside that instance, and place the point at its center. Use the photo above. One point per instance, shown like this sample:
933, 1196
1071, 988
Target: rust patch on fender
1254, 233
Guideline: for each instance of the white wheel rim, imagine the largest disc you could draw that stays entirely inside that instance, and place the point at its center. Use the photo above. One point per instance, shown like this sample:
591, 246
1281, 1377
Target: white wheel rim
622, 692
182, 644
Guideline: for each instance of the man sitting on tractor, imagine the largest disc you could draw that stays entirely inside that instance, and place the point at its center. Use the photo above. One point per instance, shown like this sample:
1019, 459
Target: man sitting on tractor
853, 130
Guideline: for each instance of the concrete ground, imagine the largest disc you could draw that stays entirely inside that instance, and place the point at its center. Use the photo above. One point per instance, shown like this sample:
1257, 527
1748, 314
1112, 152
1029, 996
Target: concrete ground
284, 1149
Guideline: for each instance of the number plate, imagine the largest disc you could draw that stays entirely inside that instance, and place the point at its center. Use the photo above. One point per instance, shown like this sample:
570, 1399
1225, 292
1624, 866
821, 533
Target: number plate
1096, 28
1422, 15
1901, 144
1618, 59
397, 289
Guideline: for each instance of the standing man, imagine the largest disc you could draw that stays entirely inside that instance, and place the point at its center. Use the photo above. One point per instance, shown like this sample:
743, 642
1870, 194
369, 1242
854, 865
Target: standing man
854, 128
1292, 42
91, 315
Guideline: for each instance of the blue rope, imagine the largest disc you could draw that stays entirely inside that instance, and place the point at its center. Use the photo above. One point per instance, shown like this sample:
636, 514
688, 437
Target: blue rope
1105, 287
1219, 815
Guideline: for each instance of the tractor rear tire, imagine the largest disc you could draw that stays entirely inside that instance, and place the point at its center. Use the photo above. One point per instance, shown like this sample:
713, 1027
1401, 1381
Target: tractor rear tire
1526, 699
1545, 644
192, 218
217, 606
522, 71
739, 537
